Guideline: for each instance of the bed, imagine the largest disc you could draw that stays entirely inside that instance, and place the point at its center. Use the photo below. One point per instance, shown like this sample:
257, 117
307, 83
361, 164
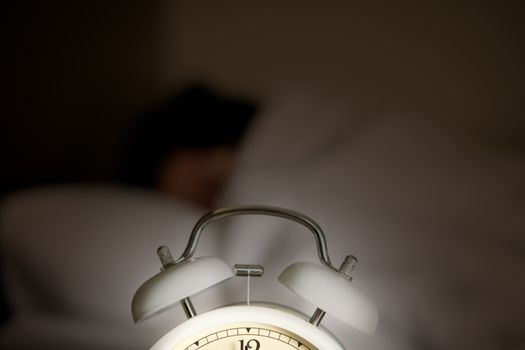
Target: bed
437, 222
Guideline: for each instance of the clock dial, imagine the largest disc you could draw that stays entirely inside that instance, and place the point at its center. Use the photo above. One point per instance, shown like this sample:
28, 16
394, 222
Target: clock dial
245, 336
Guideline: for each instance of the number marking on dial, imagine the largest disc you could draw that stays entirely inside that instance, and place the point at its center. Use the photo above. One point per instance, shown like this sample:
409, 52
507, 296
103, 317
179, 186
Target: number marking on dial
249, 338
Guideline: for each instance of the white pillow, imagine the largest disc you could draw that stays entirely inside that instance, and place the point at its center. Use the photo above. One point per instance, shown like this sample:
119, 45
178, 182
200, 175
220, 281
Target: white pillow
80, 252
430, 216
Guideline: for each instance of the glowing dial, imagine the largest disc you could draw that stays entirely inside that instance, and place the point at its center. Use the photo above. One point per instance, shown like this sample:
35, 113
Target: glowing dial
245, 336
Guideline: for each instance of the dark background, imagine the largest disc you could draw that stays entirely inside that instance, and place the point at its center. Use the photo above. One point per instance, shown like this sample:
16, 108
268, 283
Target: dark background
76, 73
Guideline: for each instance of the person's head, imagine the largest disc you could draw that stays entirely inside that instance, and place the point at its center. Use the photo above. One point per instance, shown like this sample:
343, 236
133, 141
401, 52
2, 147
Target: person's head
186, 148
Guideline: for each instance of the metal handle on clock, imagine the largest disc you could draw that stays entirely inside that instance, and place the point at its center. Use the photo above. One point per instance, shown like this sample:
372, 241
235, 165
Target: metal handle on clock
222, 213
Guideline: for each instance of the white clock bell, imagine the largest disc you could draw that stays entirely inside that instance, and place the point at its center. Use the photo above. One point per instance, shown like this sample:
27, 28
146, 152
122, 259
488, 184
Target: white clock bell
253, 327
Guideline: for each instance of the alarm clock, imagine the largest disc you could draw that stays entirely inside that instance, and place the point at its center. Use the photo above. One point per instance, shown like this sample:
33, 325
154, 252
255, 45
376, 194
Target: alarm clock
253, 326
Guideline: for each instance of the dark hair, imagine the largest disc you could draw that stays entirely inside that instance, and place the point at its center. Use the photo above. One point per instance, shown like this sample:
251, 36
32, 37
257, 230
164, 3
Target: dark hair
194, 119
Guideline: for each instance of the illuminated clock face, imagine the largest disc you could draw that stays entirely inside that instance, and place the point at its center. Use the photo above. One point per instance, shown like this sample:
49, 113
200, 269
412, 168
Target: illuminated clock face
243, 327
245, 336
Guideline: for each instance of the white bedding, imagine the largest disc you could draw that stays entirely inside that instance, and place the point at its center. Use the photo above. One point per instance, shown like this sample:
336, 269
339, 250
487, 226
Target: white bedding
438, 227
438, 224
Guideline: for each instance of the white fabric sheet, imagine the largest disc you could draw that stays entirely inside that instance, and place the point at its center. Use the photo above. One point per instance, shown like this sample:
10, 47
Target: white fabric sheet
436, 222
